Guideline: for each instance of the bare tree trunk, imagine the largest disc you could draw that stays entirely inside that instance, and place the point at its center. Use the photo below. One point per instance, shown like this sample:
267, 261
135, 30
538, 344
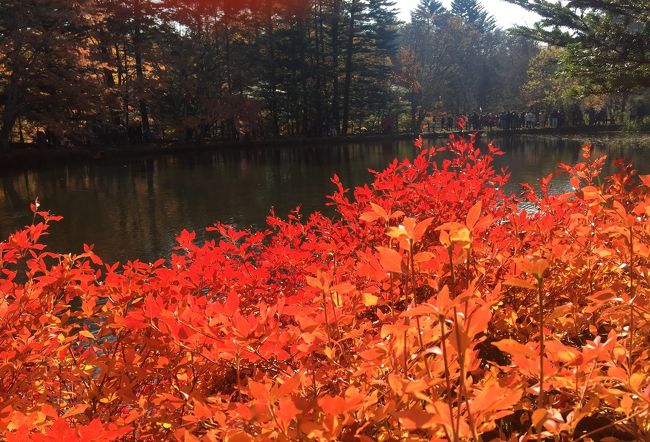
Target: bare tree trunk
227, 44
20, 131
272, 74
414, 111
303, 108
10, 113
226, 19
144, 112
348, 68
318, 31
5, 133
335, 64
123, 75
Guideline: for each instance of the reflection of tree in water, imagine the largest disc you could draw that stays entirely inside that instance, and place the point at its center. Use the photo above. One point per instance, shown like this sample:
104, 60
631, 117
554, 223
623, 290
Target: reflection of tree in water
135, 208
9, 193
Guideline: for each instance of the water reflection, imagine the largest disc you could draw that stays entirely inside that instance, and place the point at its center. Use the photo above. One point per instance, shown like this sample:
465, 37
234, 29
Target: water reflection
134, 208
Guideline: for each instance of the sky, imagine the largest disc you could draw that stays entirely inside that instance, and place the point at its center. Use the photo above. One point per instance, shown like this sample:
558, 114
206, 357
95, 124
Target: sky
506, 14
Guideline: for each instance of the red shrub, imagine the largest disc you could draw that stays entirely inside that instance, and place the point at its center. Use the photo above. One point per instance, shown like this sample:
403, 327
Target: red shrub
419, 312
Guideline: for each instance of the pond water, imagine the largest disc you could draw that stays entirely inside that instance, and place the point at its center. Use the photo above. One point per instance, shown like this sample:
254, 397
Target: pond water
133, 208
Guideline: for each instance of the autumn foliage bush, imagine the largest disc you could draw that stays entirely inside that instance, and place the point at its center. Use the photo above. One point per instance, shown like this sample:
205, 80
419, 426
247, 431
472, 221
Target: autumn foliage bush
431, 307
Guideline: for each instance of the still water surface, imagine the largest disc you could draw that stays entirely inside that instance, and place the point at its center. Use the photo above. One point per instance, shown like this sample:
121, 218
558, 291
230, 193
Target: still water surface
134, 208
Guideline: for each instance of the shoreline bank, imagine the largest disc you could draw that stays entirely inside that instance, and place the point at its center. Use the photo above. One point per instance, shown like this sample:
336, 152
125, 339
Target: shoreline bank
30, 156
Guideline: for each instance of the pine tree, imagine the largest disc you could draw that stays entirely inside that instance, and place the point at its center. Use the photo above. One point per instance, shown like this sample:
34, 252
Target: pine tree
384, 28
427, 9
355, 18
382, 35
473, 13
608, 41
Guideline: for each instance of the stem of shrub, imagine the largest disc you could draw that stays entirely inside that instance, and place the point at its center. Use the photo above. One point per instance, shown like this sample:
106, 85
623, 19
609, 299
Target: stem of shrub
413, 300
327, 323
540, 299
632, 296
452, 291
447, 377
461, 379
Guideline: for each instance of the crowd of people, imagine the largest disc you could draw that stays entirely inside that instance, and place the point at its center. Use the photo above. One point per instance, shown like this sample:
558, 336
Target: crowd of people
513, 120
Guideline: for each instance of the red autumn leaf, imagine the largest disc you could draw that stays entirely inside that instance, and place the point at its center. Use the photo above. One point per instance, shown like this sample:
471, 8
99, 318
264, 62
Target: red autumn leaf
379, 211
186, 239
232, 304
258, 392
333, 405
421, 229
77, 409
287, 411
390, 260
474, 214
370, 217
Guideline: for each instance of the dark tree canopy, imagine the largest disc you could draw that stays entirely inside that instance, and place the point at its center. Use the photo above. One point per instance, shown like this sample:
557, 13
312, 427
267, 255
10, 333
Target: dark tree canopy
608, 40
120, 71
45, 68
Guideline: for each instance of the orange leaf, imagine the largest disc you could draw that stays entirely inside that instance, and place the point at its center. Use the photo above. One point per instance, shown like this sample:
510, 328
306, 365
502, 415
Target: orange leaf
333, 405
636, 380
369, 299
343, 288
369, 217
515, 348
239, 436
539, 416
390, 260
421, 229
474, 214
415, 418
77, 409
517, 282
258, 391
537, 267
379, 211
421, 310
287, 410
373, 354
461, 236
87, 334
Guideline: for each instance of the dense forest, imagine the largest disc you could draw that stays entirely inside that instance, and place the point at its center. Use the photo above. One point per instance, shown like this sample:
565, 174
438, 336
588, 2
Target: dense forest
112, 70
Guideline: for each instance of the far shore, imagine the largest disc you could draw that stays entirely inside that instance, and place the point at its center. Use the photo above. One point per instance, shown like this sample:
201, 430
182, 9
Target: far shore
29, 155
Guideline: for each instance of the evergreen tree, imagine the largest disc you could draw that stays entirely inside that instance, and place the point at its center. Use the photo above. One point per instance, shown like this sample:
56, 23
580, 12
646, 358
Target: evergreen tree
428, 8
427, 12
384, 25
375, 98
608, 41
355, 18
473, 13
